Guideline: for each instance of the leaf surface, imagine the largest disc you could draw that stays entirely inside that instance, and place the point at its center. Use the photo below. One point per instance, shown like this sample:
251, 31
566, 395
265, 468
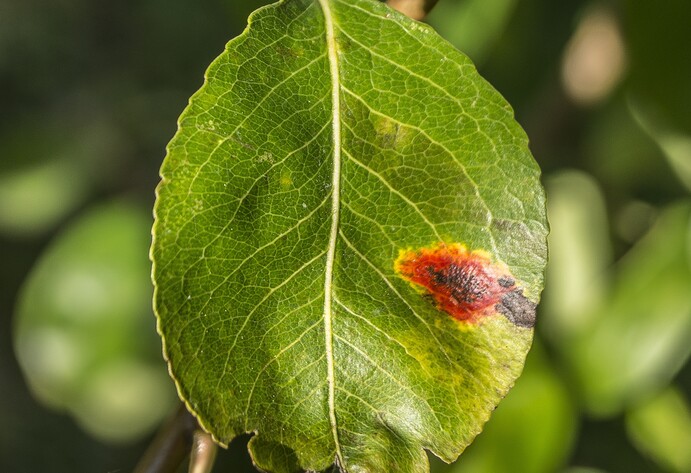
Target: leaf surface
533, 427
334, 147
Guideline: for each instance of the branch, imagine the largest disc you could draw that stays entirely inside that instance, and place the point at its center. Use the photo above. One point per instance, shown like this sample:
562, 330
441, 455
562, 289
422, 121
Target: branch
203, 453
171, 445
415, 9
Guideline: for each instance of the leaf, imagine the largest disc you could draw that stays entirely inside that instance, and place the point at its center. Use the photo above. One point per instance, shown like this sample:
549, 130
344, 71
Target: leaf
582, 469
49, 168
637, 339
661, 428
333, 144
658, 75
579, 254
473, 26
84, 333
674, 145
533, 428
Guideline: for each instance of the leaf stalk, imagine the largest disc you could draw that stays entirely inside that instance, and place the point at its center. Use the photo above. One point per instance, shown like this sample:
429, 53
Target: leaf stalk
171, 445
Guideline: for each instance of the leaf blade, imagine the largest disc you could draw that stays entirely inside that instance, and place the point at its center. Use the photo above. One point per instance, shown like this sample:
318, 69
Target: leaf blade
275, 243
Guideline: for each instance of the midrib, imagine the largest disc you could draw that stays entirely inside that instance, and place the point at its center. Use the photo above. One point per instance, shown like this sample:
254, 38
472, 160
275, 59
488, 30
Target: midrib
332, 49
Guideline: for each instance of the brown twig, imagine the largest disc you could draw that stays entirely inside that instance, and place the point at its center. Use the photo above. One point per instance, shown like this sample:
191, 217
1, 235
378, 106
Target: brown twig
171, 445
415, 9
203, 453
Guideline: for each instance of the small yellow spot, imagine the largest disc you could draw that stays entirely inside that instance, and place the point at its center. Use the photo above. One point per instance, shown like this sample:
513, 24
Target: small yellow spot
286, 179
390, 133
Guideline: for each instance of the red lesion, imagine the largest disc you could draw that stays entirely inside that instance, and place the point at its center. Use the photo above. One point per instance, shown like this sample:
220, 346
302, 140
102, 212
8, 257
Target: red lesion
464, 284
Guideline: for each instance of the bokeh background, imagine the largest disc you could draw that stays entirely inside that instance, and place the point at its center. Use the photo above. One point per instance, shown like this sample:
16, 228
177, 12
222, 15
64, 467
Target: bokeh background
89, 96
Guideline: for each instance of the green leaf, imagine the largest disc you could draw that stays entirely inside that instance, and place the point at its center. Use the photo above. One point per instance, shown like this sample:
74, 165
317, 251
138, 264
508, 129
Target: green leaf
579, 254
581, 469
658, 75
49, 168
533, 427
637, 339
85, 336
661, 427
474, 26
676, 146
335, 146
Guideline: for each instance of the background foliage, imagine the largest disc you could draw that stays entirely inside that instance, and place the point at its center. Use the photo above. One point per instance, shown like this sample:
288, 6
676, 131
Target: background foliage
90, 94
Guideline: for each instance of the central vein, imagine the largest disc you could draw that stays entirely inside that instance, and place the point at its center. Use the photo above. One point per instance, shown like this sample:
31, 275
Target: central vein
335, 208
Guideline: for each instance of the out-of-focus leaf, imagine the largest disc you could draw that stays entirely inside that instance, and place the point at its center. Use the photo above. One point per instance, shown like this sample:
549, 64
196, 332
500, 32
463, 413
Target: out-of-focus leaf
627, 160
633, 220
48, 168
639, 338
532, 429
579, 254
676, 146
85, 336
583, 469
334, 144
660, 64
472, 25
661, 428
34, 198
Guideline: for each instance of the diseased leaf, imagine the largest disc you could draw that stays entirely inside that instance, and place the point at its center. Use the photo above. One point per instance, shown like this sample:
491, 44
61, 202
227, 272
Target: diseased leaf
335, 147
533, 428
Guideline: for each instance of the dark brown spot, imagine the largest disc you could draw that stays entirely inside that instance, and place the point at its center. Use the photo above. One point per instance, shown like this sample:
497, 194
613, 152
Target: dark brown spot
506, 282
469, 284
463, 284
517, 308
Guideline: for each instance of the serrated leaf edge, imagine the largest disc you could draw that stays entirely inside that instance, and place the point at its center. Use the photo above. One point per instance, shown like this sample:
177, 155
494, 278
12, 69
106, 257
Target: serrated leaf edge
164, 180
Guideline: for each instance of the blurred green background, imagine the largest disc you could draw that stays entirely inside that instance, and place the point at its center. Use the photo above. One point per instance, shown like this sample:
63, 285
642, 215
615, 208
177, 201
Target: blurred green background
90, 93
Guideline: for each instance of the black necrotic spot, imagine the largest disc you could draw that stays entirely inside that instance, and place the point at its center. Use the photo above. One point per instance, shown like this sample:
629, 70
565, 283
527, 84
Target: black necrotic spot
438, 276
517, 308
506, 282
467, 284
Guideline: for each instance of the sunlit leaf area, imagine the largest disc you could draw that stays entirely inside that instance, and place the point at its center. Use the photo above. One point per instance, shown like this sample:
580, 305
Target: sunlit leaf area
90, 94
